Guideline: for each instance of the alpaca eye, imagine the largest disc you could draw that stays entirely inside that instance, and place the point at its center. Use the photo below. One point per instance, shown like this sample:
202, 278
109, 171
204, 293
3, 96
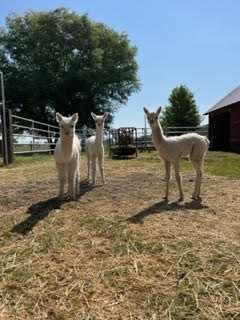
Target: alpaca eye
71, 126
62, 127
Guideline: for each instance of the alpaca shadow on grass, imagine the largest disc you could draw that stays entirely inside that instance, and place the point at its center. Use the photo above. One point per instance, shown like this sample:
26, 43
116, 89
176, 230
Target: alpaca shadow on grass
166, 206
85, 187
40, 210
37, 211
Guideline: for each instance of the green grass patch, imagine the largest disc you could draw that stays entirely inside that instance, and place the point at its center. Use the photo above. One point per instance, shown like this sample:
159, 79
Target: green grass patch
216, 162
219, 163
4, 201
28, 159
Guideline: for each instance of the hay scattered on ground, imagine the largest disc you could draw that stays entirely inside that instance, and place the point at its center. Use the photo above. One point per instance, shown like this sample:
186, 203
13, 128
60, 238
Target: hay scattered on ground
120, 252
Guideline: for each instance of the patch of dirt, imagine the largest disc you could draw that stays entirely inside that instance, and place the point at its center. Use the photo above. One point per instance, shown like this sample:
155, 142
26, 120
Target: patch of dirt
126, 192
120, 251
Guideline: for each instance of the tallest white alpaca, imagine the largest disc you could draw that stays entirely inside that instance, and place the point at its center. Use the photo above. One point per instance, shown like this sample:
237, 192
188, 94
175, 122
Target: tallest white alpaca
171, 149
67, 155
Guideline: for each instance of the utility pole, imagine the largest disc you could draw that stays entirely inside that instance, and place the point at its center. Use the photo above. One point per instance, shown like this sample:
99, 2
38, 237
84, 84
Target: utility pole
4, 128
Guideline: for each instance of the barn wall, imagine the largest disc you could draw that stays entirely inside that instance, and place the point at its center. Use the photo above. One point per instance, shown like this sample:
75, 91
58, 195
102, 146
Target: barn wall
223, 121
219, 129
235, 127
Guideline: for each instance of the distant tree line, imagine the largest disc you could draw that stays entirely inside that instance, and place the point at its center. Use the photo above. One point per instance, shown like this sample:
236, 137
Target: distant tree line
61, 61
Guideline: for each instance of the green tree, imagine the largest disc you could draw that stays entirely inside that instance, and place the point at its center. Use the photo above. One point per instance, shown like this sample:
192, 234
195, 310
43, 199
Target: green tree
61, 61
182, 110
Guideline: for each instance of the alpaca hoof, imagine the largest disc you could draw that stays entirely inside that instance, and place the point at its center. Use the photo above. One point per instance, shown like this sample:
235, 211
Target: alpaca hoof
60, 197
195, 197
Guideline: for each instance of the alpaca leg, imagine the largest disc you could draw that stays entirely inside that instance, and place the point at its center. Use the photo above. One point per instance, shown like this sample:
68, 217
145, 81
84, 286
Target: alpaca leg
77, 179
101, 168
179, 180
197, 189
88, 165
62, 179
71, 186
72, 180
167, 177
93, 171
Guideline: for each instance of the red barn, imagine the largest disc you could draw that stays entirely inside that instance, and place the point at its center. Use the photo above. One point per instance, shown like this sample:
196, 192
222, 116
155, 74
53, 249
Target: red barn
224, 123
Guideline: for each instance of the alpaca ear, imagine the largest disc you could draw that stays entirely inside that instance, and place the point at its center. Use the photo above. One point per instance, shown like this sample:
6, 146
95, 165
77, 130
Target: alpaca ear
58, 117
145, 110
105, 115
75, 117
158, 111
93, 115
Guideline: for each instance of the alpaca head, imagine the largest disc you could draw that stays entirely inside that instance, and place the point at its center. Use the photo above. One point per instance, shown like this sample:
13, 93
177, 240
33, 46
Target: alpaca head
153, 117
99, 120
67, 124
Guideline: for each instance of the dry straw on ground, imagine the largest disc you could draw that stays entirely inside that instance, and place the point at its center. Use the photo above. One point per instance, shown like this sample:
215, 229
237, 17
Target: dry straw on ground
120, 251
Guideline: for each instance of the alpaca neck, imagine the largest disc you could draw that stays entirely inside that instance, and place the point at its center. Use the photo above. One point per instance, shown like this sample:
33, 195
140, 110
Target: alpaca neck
67, 144
158, 135
99, 135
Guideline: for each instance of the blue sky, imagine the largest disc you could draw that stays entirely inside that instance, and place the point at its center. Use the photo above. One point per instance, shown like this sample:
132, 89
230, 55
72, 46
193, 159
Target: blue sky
196, 43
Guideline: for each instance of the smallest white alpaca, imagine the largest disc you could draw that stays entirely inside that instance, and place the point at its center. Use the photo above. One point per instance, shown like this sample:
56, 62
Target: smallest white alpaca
95, 148
67, 155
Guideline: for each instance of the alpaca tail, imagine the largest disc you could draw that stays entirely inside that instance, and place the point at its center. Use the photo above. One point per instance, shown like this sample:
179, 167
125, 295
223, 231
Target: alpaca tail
191, 152
199, 148
207, 141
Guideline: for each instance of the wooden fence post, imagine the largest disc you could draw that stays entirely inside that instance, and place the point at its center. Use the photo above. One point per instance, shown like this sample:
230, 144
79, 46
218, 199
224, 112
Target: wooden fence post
10, 136
4, 144
8, 157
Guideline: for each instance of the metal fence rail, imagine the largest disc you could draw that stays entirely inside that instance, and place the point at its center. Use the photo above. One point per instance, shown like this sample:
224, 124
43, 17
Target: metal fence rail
144, 135
30, 136
126, 142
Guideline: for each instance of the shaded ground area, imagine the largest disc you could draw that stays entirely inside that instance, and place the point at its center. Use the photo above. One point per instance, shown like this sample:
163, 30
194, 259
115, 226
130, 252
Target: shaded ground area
120, 251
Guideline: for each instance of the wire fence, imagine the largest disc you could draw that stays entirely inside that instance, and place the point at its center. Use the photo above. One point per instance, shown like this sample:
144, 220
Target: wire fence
31, 136
141, 138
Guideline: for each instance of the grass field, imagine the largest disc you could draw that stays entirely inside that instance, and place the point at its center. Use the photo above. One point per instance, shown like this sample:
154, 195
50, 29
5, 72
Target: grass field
120, 251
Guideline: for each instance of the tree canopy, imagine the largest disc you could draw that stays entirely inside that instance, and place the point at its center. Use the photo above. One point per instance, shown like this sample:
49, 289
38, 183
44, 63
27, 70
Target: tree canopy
61, 61
182, 110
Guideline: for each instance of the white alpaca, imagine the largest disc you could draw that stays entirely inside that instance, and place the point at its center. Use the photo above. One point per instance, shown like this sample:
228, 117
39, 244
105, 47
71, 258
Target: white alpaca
95, 148
171, 149
67, 155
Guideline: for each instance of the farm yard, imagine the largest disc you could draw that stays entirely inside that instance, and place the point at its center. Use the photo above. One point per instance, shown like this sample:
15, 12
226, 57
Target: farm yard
120, 251
91, 84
